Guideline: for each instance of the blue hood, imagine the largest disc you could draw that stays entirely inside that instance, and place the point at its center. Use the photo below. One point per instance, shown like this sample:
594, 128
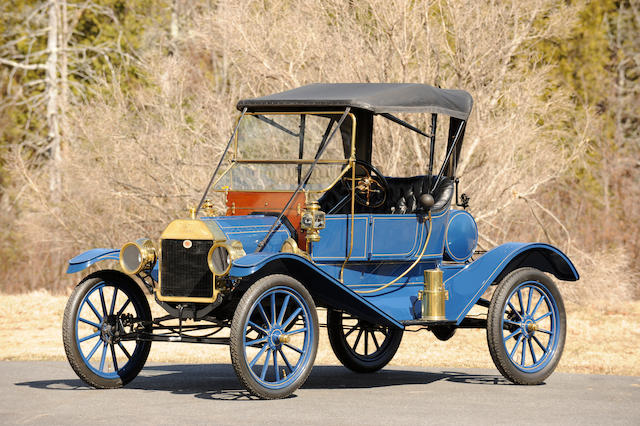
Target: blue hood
250, 230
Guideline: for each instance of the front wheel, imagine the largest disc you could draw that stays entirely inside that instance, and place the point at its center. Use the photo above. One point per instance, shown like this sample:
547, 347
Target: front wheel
526, 326
104, 311
359, 345
274, 337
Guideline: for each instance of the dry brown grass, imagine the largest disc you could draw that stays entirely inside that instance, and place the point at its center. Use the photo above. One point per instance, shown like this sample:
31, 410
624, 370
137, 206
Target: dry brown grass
599, 341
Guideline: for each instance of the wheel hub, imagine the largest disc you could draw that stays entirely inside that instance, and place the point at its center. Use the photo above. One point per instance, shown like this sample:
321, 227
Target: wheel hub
277, 337
529, 327
109, 330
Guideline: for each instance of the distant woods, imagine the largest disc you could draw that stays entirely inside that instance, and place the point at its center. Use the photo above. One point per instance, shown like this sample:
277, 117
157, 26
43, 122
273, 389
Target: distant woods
113, 113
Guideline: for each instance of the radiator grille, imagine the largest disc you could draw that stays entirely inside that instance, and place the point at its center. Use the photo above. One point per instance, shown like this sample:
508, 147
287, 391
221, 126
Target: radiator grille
185, 272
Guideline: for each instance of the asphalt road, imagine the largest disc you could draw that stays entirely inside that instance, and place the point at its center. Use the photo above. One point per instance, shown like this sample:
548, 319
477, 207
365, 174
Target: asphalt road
50, 393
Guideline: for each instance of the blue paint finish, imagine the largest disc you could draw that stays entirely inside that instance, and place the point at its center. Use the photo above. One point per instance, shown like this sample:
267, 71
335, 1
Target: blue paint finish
320, 284
461, 237
334, 239
89, 257
526, 339
402, 237
379, 237
273, 323
88, 313
400, 300
468, 284
250, 230
395, 236
252, 262
154, 271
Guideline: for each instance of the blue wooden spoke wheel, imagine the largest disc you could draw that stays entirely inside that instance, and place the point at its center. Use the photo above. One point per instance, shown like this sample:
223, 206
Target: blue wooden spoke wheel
359, 345
100, 323
274, 337
526, 326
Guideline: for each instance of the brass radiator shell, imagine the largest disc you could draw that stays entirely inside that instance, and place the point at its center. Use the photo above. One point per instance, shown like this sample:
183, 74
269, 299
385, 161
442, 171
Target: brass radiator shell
192, 232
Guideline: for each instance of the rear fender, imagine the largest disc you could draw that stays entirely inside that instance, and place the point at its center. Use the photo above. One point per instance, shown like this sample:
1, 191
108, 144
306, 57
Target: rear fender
467, 285
325, 290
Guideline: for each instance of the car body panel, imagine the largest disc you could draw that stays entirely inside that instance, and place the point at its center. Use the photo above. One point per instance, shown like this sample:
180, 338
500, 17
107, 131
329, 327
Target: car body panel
324, 288
89, 257
379, 237
461, 237
466, 285
466, 282
251, 229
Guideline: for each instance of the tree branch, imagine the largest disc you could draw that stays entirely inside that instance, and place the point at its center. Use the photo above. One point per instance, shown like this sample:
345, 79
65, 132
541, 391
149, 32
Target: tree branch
14, 64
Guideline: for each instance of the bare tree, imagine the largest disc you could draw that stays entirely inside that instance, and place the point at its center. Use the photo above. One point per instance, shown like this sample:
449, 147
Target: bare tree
53, 101
44, 71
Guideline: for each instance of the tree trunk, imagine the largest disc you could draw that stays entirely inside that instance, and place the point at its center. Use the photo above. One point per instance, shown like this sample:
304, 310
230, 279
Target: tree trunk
173, 42
53, 134
63, 38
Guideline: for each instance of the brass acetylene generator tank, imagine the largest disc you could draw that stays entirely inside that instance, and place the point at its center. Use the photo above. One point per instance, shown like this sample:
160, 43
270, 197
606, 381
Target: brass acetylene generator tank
433, 296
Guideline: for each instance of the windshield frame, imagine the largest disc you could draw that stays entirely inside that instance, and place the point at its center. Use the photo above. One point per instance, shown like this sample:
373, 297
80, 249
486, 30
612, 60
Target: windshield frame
233, 153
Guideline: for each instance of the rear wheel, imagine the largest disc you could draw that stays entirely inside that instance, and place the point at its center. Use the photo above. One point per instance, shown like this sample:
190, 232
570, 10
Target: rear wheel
359, 345
103, 309
526, 326
274, 337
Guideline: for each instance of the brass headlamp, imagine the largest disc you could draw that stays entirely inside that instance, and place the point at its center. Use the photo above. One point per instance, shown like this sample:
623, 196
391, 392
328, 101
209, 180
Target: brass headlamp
137, 255
222, 254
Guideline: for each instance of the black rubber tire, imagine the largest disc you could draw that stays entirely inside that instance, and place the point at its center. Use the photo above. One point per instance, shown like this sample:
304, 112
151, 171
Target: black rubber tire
495, 336
236, 346
141, 352
361, 363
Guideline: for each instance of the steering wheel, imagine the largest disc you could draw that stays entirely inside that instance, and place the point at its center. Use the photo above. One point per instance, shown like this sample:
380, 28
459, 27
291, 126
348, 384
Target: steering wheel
371, 187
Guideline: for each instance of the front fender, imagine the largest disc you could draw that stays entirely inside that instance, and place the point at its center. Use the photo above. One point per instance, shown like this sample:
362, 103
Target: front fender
89, 257
467, 285
323, 287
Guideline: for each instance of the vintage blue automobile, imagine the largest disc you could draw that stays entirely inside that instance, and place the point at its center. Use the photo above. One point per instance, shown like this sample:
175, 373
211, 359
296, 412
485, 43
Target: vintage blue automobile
309, 223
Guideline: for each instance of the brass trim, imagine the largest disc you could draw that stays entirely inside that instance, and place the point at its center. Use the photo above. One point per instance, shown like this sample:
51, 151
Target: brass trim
294, 161
207, 208
352, 163
235, 160
187, 229
309, 191
291, 246
190, 299
418, 259
284, 339
190, 229
433, 296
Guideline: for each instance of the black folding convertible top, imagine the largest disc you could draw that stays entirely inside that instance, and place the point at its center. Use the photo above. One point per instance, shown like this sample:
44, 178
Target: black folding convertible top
379, 98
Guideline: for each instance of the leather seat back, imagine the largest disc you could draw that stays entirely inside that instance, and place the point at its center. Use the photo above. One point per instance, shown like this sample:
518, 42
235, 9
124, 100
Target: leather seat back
404, 194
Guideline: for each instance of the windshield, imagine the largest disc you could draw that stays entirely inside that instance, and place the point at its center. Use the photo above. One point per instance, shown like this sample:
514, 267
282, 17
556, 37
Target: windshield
273, 152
